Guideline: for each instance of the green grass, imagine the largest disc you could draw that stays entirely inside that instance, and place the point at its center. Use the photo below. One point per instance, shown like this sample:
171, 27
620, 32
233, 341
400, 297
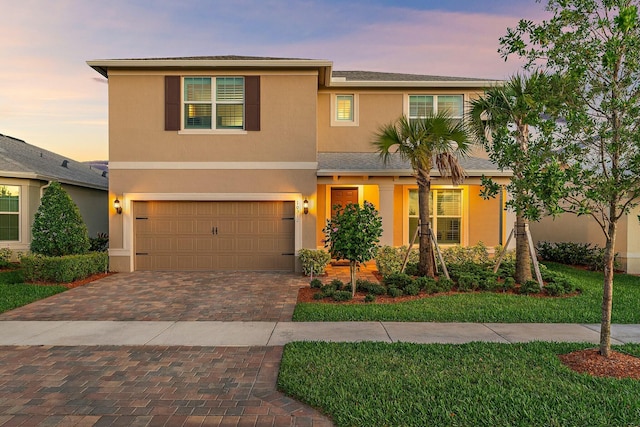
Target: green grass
14, 293
475, 384
496, 307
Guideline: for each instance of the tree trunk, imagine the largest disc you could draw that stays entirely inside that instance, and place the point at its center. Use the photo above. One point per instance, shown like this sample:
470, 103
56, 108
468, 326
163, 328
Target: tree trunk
523, 263
352, 270
426, 265
607, 296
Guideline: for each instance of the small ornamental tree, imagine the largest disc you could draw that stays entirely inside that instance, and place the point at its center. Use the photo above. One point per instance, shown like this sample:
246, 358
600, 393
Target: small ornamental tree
353, 234
58, 228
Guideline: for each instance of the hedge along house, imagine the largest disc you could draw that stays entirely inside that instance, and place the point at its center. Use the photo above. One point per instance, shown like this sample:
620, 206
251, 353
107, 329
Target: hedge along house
25, 172
213, 158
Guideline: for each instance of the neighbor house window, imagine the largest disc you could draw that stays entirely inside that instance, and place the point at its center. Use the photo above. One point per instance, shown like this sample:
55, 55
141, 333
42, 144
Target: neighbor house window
9, 213
421, 106
344, 108
213, 103
446, 218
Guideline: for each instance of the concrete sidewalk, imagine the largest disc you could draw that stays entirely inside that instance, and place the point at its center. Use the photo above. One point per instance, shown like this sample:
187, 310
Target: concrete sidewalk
244, 334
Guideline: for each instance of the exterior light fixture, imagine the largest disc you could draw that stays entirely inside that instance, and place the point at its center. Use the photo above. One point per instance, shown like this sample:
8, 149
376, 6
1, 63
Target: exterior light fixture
117, 206
305, 206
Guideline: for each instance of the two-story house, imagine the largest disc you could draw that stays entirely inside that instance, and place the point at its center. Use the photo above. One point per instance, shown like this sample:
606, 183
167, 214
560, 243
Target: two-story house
234, 163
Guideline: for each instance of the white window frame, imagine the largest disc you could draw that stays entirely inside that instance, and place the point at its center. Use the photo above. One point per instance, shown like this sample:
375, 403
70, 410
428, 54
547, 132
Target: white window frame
18, 213
407, 103
355, 119
214, 103
464, 214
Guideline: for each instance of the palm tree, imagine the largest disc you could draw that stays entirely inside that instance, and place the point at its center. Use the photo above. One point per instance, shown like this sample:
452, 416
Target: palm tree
501, 120
436, 139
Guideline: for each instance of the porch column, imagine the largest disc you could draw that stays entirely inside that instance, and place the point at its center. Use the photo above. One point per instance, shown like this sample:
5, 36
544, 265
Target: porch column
386, 212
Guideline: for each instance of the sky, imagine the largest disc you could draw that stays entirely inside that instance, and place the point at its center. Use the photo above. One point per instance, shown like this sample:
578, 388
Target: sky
51, 98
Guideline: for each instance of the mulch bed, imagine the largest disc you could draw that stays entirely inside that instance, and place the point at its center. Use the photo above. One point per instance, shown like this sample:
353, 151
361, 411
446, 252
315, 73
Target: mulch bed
590, 361
76, 283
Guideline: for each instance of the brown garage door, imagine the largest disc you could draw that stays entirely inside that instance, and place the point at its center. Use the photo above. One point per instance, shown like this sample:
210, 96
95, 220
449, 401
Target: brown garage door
214, 235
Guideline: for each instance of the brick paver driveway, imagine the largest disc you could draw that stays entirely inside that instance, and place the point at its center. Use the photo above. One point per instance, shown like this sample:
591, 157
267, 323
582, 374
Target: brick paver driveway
223, 296
154, 385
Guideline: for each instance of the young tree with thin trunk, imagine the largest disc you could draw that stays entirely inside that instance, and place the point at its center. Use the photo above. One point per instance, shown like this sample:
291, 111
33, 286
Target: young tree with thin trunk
432, 141
595, 46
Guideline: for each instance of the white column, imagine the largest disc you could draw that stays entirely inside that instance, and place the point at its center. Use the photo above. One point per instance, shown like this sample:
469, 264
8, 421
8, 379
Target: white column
386, 212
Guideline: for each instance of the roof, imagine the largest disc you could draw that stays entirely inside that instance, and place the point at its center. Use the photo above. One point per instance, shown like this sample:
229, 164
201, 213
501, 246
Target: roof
21, 160
354, 164
325, 68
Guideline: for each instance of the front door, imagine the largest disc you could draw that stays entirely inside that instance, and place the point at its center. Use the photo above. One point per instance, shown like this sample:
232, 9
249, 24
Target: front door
343, 196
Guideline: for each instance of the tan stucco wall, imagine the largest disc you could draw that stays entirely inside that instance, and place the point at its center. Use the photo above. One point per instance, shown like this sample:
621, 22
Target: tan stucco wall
484, 218
93, 206
136, 123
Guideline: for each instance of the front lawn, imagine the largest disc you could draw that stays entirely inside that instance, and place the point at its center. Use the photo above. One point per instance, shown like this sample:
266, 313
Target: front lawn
14, 293
495, 307
475, 384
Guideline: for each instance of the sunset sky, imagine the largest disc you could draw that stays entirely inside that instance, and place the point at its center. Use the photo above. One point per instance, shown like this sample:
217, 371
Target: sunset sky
49, 97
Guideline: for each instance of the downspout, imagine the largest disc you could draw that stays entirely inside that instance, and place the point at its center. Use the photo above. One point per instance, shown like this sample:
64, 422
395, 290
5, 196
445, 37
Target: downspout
44, 187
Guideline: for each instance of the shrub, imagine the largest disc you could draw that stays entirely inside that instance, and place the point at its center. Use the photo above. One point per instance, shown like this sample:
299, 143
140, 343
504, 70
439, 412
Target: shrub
477, 254
394, 292
316, 283
64, 269
389, 259
398, 280
411, 269
574, 254
337, 284
467, 282
314, 261
444, 285
99, 243
529, 287
427, 284
319, 295
328, 290
5, 257
508, 284
342, 295
412, 289
58, 228
369, 298
370, 287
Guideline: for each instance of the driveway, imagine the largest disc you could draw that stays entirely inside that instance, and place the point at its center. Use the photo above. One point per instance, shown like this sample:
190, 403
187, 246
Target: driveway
155, 385
144, 296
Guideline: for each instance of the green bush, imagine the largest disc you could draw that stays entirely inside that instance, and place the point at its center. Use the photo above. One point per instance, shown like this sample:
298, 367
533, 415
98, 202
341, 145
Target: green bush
571, 253
467, 282
63, 269
427, 284
314, 261
398, 280
412, 289
5, 257
457, 254
411, 269
337, 284
99, 243
316, 283
395, 292
389, 259
370, 287
444, 285
529, 287
58, 228
508, 283
370, 298
342, 295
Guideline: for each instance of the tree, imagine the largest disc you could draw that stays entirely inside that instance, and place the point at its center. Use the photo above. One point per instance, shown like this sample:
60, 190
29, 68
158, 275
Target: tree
58, 228
353, 234
503, 120
595, 46
435, 139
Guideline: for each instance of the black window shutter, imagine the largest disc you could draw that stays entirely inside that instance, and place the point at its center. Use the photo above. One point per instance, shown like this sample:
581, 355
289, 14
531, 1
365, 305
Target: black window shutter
252, 102
172, 103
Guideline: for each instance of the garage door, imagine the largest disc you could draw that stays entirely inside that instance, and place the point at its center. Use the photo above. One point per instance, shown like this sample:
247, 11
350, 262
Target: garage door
214, 235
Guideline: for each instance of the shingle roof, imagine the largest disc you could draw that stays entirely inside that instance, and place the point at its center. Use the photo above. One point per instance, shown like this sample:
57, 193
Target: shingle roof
21, 160
365, 76
371, 164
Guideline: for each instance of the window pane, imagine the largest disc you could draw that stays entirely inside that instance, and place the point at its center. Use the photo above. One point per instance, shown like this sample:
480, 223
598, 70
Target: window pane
420, 106
197, 116
9, 198
9, 227
452, 104
197, 89
229, 116
344, 107
230, 89
449, 203
448, 231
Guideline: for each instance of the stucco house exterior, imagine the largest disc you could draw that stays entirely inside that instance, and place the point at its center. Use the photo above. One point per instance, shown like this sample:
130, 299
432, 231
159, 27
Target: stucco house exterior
213, 158
25, 172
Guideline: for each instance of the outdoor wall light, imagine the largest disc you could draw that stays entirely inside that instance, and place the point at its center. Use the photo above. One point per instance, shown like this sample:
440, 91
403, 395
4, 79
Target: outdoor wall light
117, 206
305, 206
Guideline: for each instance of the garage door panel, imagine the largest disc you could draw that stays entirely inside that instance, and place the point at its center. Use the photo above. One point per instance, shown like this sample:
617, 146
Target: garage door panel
214, 235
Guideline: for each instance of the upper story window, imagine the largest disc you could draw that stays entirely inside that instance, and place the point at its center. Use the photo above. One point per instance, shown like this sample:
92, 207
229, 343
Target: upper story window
9, 213
421, 106
344, 110
213, 103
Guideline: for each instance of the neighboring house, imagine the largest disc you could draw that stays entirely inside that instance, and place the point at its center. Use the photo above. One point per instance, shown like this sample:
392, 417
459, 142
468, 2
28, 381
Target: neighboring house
25, 172
213, 158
